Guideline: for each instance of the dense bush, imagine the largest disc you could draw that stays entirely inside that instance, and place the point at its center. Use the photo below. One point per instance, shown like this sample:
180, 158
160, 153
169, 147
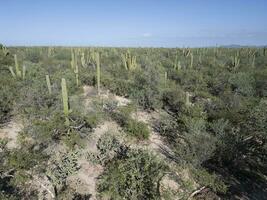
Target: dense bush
132, 127
134, 176
243, 83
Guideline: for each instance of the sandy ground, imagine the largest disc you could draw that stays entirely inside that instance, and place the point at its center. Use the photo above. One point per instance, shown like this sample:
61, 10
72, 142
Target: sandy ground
86, 179
10, 132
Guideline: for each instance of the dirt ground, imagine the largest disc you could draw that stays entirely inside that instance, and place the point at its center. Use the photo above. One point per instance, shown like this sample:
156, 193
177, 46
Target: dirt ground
10, 132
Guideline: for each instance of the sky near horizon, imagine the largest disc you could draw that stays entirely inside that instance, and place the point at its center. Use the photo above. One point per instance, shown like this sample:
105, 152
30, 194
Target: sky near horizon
153, 23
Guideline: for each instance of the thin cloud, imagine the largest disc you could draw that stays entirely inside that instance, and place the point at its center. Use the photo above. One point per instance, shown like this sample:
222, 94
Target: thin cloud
147, 35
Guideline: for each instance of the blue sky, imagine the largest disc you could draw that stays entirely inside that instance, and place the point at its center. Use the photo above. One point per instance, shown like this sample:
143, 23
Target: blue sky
157, 23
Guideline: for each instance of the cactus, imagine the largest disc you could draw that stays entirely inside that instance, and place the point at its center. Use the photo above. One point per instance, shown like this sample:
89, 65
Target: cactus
83, 61
91, 57
4, 50
177, 64
165, 78
18, 72
235, 62
23, 72
50, 52
73, 59
124, 61
129, 61
12, 72
187, 99
200, 58
76, 71
48, 83
97, 61
186, 52
192, 60
214, 60
253, 60
74, 65
65, 101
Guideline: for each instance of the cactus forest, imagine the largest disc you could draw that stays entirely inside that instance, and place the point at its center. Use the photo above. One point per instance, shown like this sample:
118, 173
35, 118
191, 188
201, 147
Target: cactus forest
133, 123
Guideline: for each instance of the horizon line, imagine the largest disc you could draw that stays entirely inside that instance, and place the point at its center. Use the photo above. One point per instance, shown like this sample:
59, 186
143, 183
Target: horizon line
133, 46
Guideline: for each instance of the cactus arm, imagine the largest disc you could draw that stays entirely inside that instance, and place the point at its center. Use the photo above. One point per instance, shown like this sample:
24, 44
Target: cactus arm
12, 72
124, 61
129, 61
83, 61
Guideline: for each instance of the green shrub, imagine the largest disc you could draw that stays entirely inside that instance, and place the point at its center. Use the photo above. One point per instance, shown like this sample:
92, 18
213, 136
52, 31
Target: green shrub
209, 180
132, 127
173, 99
243, 83
60, 168
146, 88
108, 147
258, 118
137, 129
8, 94
23, 159
133, 177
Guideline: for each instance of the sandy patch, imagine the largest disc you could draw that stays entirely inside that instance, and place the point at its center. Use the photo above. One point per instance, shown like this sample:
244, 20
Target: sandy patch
10, 132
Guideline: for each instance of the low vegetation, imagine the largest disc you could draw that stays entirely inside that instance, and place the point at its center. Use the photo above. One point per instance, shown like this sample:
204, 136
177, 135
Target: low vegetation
212, 116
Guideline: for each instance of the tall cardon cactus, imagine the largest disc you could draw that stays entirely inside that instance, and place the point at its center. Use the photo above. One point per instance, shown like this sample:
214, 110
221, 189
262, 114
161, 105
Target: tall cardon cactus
65, 100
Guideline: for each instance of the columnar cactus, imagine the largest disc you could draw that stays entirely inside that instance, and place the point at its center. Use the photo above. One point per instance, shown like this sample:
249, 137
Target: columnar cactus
192, 60
91, 57
165, 78
4, 50
23, 72
48, 83
65, 100
129, 61
83, 61
124, 61
177, 64
253, 60
235, 62
18, 72
187, 99
76, 71
200, 58
73, 59
97, 61
50, 52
